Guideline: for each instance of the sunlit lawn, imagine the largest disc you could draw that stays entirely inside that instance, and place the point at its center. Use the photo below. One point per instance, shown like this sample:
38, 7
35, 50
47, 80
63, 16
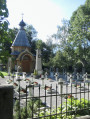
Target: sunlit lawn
4, 73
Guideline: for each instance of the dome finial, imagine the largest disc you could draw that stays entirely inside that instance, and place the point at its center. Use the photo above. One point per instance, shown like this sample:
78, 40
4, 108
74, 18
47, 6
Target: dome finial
22, 23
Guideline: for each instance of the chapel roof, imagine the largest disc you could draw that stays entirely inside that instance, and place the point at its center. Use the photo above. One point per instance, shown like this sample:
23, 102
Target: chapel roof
21, 38
15, 53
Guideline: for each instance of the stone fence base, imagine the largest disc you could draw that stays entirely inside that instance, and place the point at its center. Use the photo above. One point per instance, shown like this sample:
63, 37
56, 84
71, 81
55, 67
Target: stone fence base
83, 117
6, 102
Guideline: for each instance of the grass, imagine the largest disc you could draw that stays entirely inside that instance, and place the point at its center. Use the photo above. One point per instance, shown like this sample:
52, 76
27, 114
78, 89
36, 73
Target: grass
4, 73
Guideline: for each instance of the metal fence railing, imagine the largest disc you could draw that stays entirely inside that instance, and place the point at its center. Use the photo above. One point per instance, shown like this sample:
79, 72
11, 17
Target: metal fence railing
60, 100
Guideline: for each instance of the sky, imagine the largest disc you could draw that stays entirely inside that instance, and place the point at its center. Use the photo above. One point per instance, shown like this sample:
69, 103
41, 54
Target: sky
44, 15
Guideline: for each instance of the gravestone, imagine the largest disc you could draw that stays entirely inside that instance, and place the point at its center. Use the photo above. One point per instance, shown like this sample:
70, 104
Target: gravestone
57, 70
16, 74
38, 66
60, 86
65, 76
71, 79
68, 76
63, 72
32, 77
51, 74
31, 90
85, 77
24, 75
9, 65
78, 77
75, 73
46, 74
83, 70
56, 76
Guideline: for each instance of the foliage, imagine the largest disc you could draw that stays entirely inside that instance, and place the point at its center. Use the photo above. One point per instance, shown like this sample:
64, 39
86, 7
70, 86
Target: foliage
33, 104
4, 73
31, 33
6, 45
75, 105
46, 50
72, 107
35, 72
1, 74
32, 37
80, 33
62, 34
11, 36
3, 30
59, 60
73, 40
64, 55
39, 44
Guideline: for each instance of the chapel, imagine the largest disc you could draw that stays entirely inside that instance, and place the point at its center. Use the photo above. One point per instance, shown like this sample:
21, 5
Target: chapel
21, 51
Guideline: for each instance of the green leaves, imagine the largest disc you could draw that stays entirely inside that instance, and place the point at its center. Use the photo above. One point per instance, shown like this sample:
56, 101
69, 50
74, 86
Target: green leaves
1, 75
3, 8
3, 30
80, 33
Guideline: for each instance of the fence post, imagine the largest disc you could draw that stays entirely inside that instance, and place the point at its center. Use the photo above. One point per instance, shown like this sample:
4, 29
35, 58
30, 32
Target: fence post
42, 78
6, 102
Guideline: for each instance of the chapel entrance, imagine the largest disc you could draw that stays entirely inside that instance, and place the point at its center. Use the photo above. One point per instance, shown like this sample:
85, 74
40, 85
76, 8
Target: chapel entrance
26, 64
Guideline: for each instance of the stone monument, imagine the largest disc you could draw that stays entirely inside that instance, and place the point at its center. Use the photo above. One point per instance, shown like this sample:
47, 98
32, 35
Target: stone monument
38, 66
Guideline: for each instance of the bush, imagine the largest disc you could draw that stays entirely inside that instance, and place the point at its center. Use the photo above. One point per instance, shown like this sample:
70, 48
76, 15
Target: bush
33, 104
72, 107
1, 74
35, 72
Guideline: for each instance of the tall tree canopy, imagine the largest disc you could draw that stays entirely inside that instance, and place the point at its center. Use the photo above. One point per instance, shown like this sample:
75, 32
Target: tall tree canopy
3, 30
73, 39
80, 33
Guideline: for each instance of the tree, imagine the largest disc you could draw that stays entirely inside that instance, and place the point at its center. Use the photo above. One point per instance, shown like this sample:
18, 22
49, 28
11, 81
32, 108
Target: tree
62, 34
31, 33
32, 37
44, 50
39, 44
10, 38
80, 33
64, 51
3, 30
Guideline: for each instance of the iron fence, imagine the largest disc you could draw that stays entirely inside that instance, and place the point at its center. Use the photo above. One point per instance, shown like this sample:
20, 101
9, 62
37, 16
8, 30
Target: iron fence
64, 101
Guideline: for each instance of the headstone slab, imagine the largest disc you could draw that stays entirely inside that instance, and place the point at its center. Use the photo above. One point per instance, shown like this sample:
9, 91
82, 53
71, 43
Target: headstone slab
51, 74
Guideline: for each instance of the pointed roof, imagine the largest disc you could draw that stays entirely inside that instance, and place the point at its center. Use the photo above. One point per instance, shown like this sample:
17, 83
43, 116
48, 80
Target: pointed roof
21, 38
